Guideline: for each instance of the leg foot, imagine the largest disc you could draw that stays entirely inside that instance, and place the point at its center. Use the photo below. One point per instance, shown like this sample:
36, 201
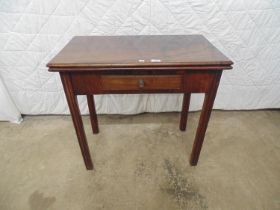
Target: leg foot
204, 119
185, 110
92, 113
77, 119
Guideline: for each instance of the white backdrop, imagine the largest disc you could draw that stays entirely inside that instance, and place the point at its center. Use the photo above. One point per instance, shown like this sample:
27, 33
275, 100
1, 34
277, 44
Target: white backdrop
33, 31
8, 110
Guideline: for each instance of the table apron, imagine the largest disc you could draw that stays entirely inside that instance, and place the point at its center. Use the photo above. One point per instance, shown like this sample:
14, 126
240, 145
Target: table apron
84, 83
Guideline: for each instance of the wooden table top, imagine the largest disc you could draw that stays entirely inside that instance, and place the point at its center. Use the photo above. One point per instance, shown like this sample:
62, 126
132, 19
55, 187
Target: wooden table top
138, 51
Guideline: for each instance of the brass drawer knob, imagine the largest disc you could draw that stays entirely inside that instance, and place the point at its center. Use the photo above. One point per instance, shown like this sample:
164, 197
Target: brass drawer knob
141, 83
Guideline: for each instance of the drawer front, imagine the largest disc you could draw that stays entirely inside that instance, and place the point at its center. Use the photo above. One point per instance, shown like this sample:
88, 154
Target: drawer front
99, 84
160, 82
195, 82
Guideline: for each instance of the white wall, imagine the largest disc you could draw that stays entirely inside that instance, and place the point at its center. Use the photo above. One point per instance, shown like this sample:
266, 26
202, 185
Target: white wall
248, 32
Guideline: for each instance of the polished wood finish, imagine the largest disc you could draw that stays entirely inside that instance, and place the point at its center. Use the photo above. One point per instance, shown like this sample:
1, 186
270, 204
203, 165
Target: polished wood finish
140, 64
185, 110
86, 83
77, 119
204, 119
157, 82
193, 81
124, 52
92, 114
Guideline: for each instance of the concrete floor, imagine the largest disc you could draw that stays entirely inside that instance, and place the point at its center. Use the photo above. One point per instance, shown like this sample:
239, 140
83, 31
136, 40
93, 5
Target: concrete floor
141, 162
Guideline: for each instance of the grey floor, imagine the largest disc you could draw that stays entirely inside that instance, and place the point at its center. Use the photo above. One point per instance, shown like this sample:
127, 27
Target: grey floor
141, 162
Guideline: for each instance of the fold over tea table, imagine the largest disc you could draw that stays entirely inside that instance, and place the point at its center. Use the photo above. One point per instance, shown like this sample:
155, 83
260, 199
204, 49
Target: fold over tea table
91, 65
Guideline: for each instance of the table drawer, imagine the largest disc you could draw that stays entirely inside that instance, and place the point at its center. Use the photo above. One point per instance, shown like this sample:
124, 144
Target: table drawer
193, 81
147, 82
100, 84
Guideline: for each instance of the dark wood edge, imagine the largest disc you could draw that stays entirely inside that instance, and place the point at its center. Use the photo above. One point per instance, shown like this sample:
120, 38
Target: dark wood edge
127, 65
112, 92
79, 69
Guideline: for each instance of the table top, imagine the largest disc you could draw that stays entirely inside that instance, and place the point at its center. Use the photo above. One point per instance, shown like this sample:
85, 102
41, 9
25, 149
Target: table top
138, 51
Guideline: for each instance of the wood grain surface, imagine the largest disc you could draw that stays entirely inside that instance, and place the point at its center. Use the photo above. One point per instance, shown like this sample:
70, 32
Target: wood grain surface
90, 52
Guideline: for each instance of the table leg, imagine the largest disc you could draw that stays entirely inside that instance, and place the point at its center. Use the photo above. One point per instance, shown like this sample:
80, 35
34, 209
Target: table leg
185, 111
203, 120
92, 113
77, 119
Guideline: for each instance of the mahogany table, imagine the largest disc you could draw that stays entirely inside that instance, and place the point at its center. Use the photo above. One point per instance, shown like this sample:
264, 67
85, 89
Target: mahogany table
90, 65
